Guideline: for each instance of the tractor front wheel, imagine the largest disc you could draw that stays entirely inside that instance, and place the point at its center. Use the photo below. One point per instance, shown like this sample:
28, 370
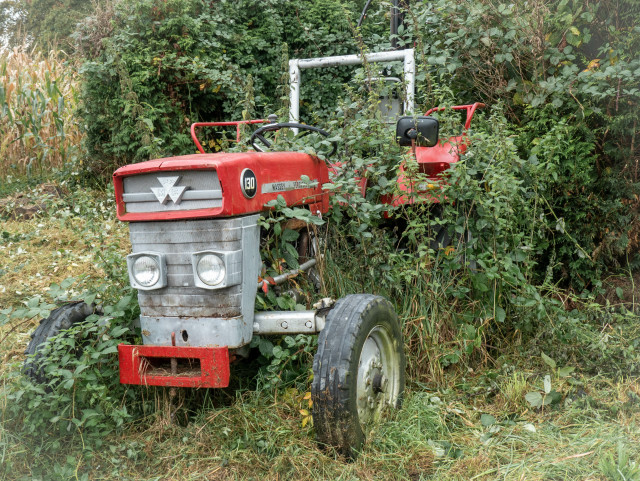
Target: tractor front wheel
60, 319
358, 371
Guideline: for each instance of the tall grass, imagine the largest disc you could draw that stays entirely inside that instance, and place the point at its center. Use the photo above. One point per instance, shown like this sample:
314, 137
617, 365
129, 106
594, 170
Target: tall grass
38, 99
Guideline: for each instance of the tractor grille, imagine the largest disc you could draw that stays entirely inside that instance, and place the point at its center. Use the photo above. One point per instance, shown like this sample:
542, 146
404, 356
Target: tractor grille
178, 240
192, 190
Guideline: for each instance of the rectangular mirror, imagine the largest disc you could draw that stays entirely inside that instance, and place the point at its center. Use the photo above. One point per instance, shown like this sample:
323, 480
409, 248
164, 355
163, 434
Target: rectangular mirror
423, 129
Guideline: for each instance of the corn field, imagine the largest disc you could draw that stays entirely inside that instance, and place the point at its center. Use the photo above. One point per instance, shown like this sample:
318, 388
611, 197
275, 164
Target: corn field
38, 100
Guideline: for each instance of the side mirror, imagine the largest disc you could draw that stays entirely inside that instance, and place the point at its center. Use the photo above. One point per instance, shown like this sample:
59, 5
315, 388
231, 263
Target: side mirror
423, 129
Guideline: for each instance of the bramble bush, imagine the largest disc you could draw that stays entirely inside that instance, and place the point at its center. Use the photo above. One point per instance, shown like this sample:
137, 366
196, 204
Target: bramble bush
565, 73
166, 65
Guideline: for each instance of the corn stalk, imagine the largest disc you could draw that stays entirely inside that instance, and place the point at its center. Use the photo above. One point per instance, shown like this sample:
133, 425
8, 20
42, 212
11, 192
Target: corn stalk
38, 99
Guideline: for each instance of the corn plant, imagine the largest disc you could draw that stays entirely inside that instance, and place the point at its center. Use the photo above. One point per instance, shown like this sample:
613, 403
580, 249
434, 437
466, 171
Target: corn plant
38, 98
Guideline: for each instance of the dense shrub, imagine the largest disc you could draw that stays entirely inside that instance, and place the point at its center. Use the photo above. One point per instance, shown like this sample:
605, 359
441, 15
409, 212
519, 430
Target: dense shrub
565, 73
168, 64
568, 76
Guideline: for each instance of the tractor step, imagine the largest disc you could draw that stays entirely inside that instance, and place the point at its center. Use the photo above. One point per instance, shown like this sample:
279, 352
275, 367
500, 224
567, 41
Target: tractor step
174, 366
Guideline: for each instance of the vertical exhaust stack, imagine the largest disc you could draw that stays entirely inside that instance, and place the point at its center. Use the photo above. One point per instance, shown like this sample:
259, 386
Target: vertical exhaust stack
396, 19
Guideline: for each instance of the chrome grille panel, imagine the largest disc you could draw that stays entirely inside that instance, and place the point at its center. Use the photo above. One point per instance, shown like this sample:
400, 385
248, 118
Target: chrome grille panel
203, 191
177, 240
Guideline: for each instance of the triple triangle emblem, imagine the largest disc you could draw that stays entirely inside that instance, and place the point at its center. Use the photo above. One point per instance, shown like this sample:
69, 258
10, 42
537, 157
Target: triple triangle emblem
169, 190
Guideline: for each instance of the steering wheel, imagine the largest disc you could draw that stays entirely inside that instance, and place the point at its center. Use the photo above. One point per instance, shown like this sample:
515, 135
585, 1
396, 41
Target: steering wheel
286, 125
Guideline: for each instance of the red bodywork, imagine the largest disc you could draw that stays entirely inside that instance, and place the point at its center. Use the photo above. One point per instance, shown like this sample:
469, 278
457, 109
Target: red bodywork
269, 167
207, 366
432, 162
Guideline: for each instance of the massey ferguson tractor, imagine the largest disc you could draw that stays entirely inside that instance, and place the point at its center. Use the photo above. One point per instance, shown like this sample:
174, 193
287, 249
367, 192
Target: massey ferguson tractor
196, 264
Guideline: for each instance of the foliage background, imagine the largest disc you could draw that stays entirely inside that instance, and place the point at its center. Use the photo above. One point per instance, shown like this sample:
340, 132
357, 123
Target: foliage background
565, 75
549, 194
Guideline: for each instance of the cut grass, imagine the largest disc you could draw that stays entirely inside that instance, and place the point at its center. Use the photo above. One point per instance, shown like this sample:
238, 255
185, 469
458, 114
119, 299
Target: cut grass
435, 436
248, 433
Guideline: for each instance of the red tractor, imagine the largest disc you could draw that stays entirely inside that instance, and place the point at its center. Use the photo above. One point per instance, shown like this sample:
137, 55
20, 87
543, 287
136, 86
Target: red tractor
196, 263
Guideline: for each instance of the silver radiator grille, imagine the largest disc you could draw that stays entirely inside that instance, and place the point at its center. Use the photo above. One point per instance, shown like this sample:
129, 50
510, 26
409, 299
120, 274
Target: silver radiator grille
177, 240
169, 191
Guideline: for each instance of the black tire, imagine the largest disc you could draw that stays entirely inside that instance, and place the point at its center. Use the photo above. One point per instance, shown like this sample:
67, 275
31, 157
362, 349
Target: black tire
359, 329
459, 242
60, 319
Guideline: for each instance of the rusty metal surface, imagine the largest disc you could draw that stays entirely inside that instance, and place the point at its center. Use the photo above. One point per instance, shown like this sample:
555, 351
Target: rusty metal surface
194, 331
178, 240
285, 322
201, 317
155, 366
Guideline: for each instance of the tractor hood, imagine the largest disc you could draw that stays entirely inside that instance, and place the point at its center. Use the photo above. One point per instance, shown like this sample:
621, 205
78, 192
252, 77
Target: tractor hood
218, 185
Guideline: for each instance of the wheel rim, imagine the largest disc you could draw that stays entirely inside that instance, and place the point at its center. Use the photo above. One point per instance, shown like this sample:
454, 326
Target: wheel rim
378, 383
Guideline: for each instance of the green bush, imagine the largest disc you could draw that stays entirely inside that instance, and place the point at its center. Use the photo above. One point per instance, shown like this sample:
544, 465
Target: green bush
568, 76
168, 64
565, 73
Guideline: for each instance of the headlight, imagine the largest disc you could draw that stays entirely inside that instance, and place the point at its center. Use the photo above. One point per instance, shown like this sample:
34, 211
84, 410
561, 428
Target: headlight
216, 269
211, 269
147, 270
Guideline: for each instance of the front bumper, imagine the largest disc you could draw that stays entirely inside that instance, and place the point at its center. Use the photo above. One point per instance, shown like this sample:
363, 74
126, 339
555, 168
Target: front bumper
205, 367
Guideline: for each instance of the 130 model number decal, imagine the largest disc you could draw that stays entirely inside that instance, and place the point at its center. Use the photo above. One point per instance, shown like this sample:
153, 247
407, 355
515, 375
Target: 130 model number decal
286, 185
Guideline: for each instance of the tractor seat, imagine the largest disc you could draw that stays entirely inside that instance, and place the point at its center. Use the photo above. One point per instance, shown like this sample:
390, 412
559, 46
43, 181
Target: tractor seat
432, 161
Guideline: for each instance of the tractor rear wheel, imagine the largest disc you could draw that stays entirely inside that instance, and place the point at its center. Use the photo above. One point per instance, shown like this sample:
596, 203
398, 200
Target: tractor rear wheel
358, 371
60, 319
459, 243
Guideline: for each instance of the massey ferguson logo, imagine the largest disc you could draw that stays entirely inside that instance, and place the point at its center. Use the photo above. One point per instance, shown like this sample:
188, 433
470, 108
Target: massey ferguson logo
169, 190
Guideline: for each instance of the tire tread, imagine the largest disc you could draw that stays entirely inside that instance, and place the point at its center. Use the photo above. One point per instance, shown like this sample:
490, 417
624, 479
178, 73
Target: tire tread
59, 319
330, 387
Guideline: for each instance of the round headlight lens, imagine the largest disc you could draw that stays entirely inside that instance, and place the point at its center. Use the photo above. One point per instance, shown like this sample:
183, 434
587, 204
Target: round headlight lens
146, 271
211, 269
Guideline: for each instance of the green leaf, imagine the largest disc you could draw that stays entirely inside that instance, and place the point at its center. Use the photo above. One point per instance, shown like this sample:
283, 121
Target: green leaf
500, 314
290, 235
548, 361
265, 347
566, 371
124, 302
487, 420
547, 384
620, 293
90, 298
534, 398
554, 397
